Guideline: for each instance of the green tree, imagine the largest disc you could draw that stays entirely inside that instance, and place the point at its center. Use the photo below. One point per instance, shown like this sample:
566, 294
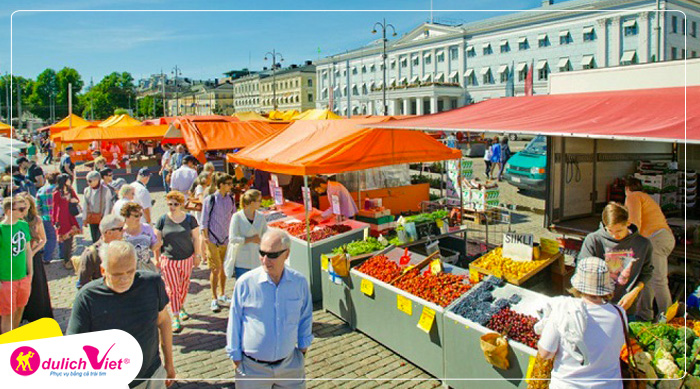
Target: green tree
121, 111
64, 77
150, 107
44, 89
11, 89
116, 90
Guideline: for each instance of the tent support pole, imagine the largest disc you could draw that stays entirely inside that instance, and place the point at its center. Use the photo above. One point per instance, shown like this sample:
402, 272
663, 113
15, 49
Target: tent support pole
461, 204
306, 217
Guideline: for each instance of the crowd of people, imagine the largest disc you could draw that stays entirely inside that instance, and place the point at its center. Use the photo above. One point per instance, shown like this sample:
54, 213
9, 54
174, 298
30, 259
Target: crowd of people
135, 275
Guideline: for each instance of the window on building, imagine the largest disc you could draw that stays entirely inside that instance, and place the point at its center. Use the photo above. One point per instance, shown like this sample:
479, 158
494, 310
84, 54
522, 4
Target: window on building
364, 69
694, 29
441, 57
695, 54
565, 38
372, 68
522, 44
674, 24
588, 62
487, 76
416, 60
565, 65
674, 53
393, 65
404, 62
682, 53
471, 52
354, 90
354, 71
428, 59
487, 49
542, 70
454, 77
630, 27
504, 74
470, 78
310, 82
588, 34
505, 47
629, 58
454, 53
543, 40
522, 71
345, 73
364, 89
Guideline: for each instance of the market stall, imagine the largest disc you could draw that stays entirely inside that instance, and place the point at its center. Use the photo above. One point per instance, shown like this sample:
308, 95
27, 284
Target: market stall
308, 148
5, 129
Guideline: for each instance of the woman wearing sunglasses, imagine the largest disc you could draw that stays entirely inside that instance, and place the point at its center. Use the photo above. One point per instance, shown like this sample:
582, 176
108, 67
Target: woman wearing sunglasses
39, 304
141, 236
245, 231
179, 233
16, 268
65, 208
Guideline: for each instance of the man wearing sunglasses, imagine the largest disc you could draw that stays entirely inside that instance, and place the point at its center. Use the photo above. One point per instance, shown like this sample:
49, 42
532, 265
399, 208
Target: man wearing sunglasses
112, 228
269, 326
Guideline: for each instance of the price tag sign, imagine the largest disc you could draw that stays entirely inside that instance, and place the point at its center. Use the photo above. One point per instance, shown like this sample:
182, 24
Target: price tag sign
473, 276
427, 317
275, 179
272, 186
306, 193
367, 287
365, 234
324, 262
279, 196
435, 266
335, 203
518, 247
404, 305
407, 268
439, 223
549, 246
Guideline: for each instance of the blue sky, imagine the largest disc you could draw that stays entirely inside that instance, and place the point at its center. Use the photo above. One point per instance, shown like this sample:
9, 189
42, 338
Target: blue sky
202, 44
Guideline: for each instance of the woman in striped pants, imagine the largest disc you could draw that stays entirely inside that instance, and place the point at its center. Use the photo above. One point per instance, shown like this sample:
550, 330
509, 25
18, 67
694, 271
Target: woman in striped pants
180, 252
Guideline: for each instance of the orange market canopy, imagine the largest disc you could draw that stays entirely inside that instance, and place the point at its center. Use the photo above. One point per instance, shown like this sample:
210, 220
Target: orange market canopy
113, 134
249, 115
333, 146
204, 135
5, 129
119, 121
316, 114
70, 121
661, 114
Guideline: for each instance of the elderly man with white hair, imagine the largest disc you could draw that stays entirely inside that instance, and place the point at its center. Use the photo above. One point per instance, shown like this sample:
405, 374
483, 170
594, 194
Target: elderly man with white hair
269, 326
132, 301
88, 269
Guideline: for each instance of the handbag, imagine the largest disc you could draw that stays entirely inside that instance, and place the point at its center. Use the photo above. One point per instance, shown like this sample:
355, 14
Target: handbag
96, 217
633, 377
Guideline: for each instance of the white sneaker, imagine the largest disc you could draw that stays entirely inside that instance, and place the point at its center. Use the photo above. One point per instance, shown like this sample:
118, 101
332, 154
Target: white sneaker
224, 300
215, 306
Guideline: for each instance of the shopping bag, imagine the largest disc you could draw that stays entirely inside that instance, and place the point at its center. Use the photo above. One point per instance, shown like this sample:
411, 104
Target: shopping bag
340, 265
230, 260
495, 348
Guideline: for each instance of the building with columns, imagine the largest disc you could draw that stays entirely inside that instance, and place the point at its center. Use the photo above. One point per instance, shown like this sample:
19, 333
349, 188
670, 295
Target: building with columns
246, 90
437, 67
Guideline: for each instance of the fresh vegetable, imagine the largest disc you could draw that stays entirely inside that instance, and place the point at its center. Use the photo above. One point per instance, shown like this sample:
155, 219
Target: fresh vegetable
267, 203
426, 217
360, 247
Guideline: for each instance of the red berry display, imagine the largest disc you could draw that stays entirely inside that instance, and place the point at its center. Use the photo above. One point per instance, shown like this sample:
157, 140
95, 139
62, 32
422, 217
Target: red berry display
440, 289
516, 326
299, 230
381, 268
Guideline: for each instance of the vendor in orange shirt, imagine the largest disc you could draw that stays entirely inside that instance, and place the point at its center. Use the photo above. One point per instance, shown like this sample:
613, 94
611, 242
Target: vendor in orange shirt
646, 214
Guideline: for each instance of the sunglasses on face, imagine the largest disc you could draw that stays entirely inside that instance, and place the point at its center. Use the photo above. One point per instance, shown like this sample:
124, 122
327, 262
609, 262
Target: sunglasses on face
173, 204
120, 229
271, 254
136, 214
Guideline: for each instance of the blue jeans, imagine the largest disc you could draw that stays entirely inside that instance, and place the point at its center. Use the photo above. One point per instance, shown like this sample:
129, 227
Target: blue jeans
165, 184
240, 271
51, 241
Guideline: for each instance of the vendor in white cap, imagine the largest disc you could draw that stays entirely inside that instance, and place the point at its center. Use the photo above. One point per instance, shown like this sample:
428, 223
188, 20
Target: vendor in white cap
584, 334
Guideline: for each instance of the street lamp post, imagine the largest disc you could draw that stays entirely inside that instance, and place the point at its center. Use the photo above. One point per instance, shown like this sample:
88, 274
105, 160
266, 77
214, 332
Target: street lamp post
384, 26
177, 72
273, 56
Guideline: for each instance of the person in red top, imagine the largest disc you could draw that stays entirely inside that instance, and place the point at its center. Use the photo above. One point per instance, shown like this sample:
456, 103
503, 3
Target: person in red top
646, 214
63, 219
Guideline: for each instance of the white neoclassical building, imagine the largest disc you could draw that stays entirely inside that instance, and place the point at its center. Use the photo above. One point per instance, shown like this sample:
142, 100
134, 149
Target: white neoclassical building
437, 67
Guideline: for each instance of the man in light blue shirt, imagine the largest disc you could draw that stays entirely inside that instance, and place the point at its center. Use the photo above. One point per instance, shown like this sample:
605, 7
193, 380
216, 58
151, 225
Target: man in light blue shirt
182, 179
269, 326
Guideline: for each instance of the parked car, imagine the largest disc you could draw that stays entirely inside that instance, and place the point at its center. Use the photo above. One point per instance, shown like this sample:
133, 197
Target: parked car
527, 169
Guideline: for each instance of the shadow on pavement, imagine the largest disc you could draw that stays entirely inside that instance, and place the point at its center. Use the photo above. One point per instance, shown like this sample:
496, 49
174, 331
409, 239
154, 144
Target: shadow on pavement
203, 384
191, 341
531, 193
326, 330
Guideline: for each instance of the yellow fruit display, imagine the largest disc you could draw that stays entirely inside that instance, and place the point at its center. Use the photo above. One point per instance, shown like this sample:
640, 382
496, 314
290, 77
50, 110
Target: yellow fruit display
495, 263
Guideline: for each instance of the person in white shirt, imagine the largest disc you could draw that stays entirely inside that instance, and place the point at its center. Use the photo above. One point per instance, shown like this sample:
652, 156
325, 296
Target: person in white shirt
585, 334
247, 227
183, 178
141, 194
165, 165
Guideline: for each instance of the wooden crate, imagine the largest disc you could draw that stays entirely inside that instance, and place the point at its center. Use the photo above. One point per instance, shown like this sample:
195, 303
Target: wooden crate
545, 260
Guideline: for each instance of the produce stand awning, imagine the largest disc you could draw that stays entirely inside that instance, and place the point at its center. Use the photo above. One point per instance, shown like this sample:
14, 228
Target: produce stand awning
73, 121
159, 121
119, 121
646, 114
201, 136
249, 115
317, 114
5, 129
334, 146
119, 134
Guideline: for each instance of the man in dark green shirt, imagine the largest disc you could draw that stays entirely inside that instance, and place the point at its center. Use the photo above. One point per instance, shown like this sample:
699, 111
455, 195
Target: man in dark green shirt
131, 301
